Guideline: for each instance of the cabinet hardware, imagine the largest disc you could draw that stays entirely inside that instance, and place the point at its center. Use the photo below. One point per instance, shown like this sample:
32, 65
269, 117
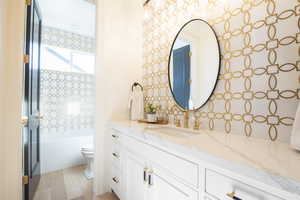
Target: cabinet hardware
116, 155
25, 180
150, 179
24, 121
28, 2
145, 175
26, 57
232, 195
114, 136
115, 179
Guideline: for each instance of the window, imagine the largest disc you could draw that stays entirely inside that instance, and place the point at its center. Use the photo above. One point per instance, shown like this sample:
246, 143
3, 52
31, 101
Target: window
83, 62
67, 60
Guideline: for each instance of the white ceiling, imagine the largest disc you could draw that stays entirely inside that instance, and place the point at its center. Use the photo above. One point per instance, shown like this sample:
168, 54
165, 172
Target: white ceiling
76, 16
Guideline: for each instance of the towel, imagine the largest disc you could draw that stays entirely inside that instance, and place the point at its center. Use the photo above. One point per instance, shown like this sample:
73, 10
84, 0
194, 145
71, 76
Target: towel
136, 105
295, 137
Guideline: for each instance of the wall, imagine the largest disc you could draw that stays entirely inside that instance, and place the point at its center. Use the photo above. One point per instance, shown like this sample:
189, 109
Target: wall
66, 149
14, 37
258, 88
118, 65
2, 87
70, 15
67, 102
66, 39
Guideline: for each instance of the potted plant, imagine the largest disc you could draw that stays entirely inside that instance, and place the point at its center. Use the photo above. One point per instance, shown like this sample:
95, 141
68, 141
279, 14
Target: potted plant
151, 113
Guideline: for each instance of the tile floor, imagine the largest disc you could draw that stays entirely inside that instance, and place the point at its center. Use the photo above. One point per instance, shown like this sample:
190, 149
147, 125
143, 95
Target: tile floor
68, 184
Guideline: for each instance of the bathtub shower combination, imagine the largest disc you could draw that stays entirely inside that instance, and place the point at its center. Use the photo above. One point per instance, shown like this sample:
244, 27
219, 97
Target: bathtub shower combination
67, 104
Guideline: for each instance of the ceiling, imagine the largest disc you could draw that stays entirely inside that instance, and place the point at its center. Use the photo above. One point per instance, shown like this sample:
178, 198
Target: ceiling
76, 16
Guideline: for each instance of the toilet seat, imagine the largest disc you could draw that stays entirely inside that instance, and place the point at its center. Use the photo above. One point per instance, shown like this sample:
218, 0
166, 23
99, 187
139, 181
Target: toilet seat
88, 154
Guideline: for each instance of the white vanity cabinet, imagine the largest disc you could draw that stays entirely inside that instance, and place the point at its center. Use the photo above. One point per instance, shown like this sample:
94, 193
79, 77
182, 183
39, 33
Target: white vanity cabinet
163, 186
221, 186
144, 171
134, 176
143, 183
145, 180
139, 173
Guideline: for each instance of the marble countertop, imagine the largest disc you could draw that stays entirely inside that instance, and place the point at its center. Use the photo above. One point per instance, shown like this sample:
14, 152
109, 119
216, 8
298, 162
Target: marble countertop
272, 163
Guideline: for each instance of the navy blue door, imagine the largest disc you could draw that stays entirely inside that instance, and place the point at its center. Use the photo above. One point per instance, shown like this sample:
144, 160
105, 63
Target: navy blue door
181, 75
31, 137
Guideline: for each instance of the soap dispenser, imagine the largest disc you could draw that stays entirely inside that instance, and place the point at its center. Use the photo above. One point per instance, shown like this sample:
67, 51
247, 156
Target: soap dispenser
295, 137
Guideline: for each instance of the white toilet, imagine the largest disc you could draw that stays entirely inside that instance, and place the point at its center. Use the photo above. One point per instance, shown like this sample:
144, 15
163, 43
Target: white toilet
88, 154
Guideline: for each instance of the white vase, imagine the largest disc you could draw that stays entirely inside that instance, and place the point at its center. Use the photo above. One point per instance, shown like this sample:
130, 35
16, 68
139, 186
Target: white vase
151, 117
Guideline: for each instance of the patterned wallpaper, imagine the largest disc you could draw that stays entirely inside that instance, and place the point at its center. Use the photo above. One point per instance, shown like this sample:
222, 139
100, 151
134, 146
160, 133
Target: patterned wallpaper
67, 101
64, 39
258, 87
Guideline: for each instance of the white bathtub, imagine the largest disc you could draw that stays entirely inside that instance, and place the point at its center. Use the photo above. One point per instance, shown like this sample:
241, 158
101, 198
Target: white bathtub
60, 151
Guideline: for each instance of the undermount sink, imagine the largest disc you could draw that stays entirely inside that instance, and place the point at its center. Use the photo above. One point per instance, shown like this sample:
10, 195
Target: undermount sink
173, 131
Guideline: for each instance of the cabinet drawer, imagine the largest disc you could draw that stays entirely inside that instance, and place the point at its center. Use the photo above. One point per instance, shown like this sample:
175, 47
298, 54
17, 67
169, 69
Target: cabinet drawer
185, 170
115, 150
165, 187
116, 181
221, 186
115, 136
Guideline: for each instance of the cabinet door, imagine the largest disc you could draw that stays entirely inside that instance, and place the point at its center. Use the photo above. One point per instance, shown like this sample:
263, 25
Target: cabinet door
133, 173
162, 186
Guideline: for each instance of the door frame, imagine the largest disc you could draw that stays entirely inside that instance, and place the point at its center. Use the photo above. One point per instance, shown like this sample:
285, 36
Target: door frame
12, 148
16, 12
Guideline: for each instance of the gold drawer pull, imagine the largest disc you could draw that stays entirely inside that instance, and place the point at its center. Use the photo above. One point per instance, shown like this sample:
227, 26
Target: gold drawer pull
116, 155
232, 195
115, 179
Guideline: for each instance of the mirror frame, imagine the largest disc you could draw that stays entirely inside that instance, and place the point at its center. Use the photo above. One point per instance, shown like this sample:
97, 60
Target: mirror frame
219, 67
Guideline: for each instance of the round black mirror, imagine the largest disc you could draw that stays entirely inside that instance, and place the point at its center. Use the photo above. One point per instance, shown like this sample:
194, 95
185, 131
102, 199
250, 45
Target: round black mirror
194, 64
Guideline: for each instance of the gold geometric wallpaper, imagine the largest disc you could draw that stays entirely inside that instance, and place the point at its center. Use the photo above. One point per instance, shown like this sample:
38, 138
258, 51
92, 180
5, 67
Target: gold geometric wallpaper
66, 39
258, 89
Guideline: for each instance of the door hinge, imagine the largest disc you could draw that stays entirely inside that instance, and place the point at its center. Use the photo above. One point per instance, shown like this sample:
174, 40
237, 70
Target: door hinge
25, 180
26, 59
190, 53
28, 2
